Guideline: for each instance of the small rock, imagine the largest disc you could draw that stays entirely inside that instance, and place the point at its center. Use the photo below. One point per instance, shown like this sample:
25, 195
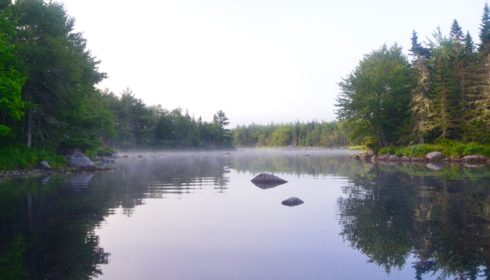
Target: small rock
393, 158
475, 159
292, 201
383, 157
44, 165
434, 156
405, 158
417, 159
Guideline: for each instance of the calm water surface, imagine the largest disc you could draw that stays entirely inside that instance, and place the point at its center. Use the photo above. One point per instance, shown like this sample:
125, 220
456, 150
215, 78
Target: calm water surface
197, 215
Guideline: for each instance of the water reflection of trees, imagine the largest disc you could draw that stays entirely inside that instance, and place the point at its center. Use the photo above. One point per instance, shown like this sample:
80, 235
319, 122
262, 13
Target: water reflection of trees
302, 162
47, 232
444, 222
47, 226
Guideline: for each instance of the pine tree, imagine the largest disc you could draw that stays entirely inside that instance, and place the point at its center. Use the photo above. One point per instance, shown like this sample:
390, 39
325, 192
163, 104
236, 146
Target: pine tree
480, 121
444, 91
459, 63
421, 106
485, 30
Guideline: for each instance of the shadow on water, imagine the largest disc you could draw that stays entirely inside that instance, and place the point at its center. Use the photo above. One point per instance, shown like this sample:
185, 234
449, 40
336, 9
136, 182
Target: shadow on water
439, 218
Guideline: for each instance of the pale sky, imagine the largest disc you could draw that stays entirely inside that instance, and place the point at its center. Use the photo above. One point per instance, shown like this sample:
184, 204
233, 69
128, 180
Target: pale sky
259, 61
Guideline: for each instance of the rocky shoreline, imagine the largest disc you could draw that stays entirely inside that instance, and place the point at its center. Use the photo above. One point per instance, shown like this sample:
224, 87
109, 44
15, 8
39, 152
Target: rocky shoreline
432, 157
77, 162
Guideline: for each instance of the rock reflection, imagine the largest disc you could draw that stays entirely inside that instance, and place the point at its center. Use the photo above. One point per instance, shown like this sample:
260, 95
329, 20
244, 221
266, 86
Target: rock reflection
390, 213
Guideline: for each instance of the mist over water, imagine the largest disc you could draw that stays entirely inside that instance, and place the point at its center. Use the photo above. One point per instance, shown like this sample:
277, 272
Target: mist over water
197, 215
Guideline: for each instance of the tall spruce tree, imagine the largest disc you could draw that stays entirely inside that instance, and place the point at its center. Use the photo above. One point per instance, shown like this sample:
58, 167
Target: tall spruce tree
481, 100
421, 106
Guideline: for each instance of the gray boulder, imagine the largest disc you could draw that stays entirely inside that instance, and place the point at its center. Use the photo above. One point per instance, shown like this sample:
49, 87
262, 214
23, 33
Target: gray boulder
292, 201
475, 159
79, 160
267, 181
434, 156
44, 165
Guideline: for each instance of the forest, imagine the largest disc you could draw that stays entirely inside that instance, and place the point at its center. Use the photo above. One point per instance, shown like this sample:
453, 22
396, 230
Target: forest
49, 100
441, 95
309, 134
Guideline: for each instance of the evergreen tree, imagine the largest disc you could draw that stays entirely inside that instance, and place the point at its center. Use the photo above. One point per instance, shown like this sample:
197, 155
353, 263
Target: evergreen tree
485, 30
421, 106
480, 121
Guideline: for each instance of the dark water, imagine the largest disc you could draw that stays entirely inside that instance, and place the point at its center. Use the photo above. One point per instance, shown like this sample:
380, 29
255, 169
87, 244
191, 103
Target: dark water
198, 216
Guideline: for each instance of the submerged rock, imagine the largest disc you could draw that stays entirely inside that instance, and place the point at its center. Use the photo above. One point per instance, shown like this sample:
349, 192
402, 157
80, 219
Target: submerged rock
292, 201
79, 160
434, 156
267, 181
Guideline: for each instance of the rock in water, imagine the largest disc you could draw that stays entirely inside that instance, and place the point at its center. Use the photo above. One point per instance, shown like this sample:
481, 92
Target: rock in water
292, 201
267, 181
434, 156
79, 160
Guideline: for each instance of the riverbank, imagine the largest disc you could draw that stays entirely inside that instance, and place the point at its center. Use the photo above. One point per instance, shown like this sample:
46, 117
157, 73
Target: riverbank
18, 161
448, 151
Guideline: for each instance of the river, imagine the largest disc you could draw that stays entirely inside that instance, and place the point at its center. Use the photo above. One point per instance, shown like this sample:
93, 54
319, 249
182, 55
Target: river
197, 215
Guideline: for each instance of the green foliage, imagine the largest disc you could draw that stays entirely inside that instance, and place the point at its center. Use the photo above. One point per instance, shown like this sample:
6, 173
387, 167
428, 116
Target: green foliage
374, 99
4, 130
446, 96
19, 157
310, 134
11, 79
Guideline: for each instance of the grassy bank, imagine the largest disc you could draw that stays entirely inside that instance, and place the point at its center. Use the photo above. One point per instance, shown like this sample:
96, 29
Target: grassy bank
19, 157
447, 148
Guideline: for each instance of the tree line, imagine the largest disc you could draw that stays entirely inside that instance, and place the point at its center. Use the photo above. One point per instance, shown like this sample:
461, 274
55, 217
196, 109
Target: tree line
48, 98
443, 93
309, 134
